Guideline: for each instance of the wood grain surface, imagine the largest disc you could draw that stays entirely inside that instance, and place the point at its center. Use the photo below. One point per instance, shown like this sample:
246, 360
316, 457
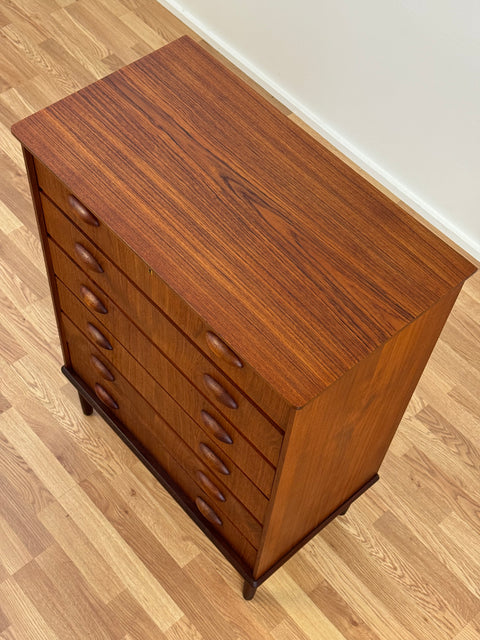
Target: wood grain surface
92, 547
184, 162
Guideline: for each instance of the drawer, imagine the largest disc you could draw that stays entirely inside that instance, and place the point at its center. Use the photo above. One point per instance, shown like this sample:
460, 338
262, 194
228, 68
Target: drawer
176, 394
123, 401
163, 296
249, 421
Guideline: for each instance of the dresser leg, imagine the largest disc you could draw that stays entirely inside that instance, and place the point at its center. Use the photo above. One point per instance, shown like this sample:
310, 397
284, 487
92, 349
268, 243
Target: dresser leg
86, 408
342, 513
248, 590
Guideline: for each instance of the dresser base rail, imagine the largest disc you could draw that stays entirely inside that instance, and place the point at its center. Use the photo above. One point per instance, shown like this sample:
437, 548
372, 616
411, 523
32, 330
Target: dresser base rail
89, 401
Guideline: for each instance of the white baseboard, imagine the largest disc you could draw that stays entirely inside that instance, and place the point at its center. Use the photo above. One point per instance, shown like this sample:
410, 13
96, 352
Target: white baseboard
426, 211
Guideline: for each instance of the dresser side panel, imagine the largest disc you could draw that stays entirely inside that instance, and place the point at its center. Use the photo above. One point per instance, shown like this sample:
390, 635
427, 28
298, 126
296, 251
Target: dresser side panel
42, 231
337, 443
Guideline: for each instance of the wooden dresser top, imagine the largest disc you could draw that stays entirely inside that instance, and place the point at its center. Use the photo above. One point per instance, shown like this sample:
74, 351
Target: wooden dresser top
294, 259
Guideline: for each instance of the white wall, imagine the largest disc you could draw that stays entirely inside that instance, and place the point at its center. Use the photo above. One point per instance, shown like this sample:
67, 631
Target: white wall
394, 83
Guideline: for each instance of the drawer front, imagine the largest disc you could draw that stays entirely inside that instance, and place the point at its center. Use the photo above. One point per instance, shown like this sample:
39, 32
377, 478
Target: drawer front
229, 443
172, 343
123, 401
156, 289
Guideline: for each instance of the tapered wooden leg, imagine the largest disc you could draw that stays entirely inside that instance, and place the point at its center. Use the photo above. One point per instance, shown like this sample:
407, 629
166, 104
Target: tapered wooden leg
342, 513
86, 408
248, 590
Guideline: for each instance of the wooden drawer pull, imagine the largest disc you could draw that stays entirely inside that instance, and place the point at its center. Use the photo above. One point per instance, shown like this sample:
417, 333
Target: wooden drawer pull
216, 429
220, 349
82, 212
207, 512
91, 301
209, 487
219, 392
101, 368
98, 337
105, 397
87, 259
212, 459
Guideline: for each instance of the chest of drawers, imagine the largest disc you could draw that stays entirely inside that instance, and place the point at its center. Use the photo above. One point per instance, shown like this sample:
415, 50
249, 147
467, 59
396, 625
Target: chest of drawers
246, 311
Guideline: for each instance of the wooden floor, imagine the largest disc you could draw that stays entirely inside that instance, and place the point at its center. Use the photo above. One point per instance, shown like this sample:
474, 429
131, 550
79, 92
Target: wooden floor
91, 547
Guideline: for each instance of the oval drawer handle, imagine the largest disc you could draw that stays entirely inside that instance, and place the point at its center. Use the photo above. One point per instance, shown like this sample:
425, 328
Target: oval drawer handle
98, 337
212, 459
87, 259
91, 301
101, 368
217, 430
105, 397
209, 487
220, 349
219, 392
207, 511
82, 212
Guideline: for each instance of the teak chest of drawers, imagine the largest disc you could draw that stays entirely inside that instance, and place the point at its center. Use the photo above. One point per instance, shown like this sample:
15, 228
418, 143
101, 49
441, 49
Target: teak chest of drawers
250, 314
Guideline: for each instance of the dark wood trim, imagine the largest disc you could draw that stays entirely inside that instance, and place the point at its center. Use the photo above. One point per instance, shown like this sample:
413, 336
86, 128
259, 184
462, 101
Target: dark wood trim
89, 399
248, 590
87, 408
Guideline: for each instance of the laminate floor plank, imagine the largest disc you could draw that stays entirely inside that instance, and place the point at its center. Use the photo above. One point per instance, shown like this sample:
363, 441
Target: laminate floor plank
118, 38
81, 44
183, 628
356, 589
129, 615
91, 546
46, 598
458, 597
54, 438
94, 569
26, 621
16, 470
8, 220
286, 630
22, 519
10, 350
301, 609
76, 599
149, 509
20, 280
232, 613
405, 589
450, 551
13, 553
14, 193
150, 594
341, 613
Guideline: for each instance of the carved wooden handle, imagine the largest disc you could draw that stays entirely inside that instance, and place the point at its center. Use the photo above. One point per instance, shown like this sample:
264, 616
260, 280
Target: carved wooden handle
101, 368
217, 430
87, 259
91, 301
209, 487
105, 397
82, 212
98, 337
220, 349
207, 511
212, 459
219, 392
